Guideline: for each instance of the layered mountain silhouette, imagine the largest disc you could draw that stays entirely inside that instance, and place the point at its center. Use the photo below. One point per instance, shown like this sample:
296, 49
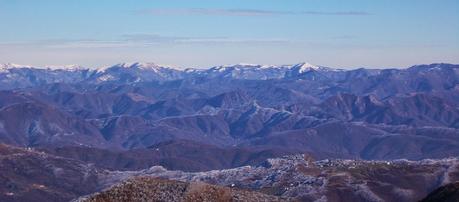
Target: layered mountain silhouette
134, 116
328, 112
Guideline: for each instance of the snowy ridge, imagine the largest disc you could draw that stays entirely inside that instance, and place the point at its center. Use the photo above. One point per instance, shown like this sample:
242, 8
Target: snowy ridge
72, 67
135, 65
147, 72
303, 67
13, 66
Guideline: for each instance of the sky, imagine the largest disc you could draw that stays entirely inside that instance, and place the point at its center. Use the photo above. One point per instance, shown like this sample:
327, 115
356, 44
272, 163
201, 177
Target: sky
205, 33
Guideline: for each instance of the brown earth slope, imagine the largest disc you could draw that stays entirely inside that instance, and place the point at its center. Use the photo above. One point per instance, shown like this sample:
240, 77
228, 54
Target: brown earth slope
155, 189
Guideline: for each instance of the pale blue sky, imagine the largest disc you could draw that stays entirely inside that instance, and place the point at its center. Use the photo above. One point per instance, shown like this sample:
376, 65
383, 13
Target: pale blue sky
202, 33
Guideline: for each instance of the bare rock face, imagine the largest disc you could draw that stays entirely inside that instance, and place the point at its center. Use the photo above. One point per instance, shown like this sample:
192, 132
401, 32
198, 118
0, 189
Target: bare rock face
155, 189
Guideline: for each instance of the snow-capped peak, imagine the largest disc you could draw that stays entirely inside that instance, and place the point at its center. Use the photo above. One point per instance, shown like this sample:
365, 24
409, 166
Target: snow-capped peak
241, 66
305, 67
136, 65
12, 66
246, 64
253, 65
66, 67
4, 67
139, 65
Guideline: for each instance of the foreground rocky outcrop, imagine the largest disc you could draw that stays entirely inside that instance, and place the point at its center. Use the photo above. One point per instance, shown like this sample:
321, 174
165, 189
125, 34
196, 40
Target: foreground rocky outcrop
155, 189
300, 178
30, 175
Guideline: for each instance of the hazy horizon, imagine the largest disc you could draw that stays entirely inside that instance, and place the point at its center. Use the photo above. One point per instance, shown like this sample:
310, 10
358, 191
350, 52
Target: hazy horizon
64, 66
204, 33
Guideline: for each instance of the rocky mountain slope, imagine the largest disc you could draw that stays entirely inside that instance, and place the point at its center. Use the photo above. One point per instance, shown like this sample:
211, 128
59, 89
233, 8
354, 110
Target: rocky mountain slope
301, 108
301, 178
153, 189
29, 174
125, 118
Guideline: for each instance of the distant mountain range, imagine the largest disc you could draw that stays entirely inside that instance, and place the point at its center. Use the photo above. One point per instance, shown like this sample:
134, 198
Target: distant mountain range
145, 72
134, 116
